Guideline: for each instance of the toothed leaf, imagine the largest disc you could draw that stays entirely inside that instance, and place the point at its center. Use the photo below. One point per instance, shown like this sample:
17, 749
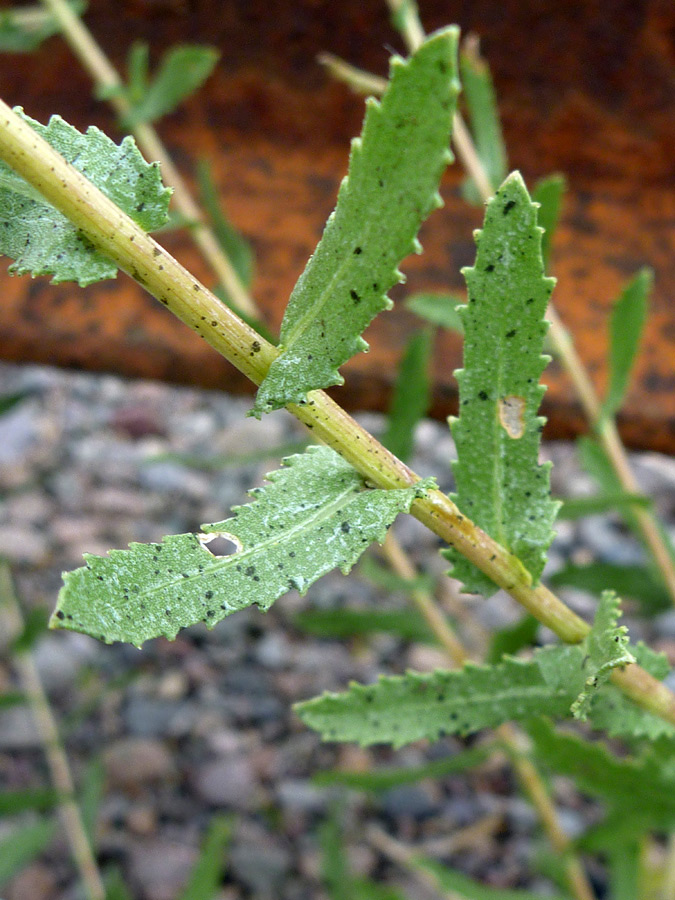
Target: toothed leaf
400, 709
500, 484
607, 646
41, 240
314, 515
614, 713
394, 170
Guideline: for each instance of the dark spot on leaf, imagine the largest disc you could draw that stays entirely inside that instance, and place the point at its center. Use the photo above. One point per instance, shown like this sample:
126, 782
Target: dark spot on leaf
512, 333
489, 268
508, 206
483, 395
357, 251
60, 615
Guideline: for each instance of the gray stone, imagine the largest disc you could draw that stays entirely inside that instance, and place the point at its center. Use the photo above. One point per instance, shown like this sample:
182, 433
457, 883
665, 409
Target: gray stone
24, 544
17, 729
261, 866
160, 867
133, 762
227, 782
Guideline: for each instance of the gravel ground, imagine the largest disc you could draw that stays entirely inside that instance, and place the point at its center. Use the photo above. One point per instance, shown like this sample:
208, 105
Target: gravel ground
205, 724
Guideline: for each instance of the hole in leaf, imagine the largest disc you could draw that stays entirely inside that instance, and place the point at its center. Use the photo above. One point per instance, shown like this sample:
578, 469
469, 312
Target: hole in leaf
512, 415
220, 543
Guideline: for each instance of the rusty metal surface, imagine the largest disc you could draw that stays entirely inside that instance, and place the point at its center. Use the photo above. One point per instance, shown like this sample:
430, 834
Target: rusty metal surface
583, 92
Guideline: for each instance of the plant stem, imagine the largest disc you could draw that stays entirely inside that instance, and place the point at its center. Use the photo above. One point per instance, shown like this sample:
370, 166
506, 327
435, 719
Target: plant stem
515, 742
57, 761
108, 81
138, 254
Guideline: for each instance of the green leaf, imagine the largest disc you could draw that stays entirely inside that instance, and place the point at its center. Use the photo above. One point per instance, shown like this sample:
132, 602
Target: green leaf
439, 309
347, 623
479, 96
400, 709
385, 779
411, 397
115, 887
508, 641
613, 713
334, 865
635, 581
624, 871
9, 401
500, 484
236, 248
182, 71
24, 28
607, 649
12, 698
578, 507
138, 69
206, 876
314, 515
635, 788
35, 625
392, 186
44, 242
626, 326
91, 795
22, 846
383, 577
548, 193
362, 889
13, 802
461, 886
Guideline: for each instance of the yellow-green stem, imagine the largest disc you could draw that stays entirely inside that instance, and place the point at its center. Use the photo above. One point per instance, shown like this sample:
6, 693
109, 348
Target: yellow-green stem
108, 81
134, 251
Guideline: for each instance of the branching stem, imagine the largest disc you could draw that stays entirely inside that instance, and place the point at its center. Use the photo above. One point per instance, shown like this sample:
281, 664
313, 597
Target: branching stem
138, 254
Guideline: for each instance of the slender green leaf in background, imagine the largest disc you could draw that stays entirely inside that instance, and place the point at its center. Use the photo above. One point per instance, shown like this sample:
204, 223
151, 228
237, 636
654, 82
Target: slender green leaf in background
392, 186
346, 623
115, 886
607, 649
389, 581
456, 884
181, 71
500, 484
206, 877
399, 709
508, 641
217, 462
548, 193
236, 248
595, 461
439, 309
34, 626
624, 871
44, 242
314, 515
24, 28
479, 96
22, 846
578, 507
638, 582
411, 397
631, 787
91, 795
334, 865
385, 779
627, 323
138, 71
9, 401
13, 802
363, 889
11, 698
